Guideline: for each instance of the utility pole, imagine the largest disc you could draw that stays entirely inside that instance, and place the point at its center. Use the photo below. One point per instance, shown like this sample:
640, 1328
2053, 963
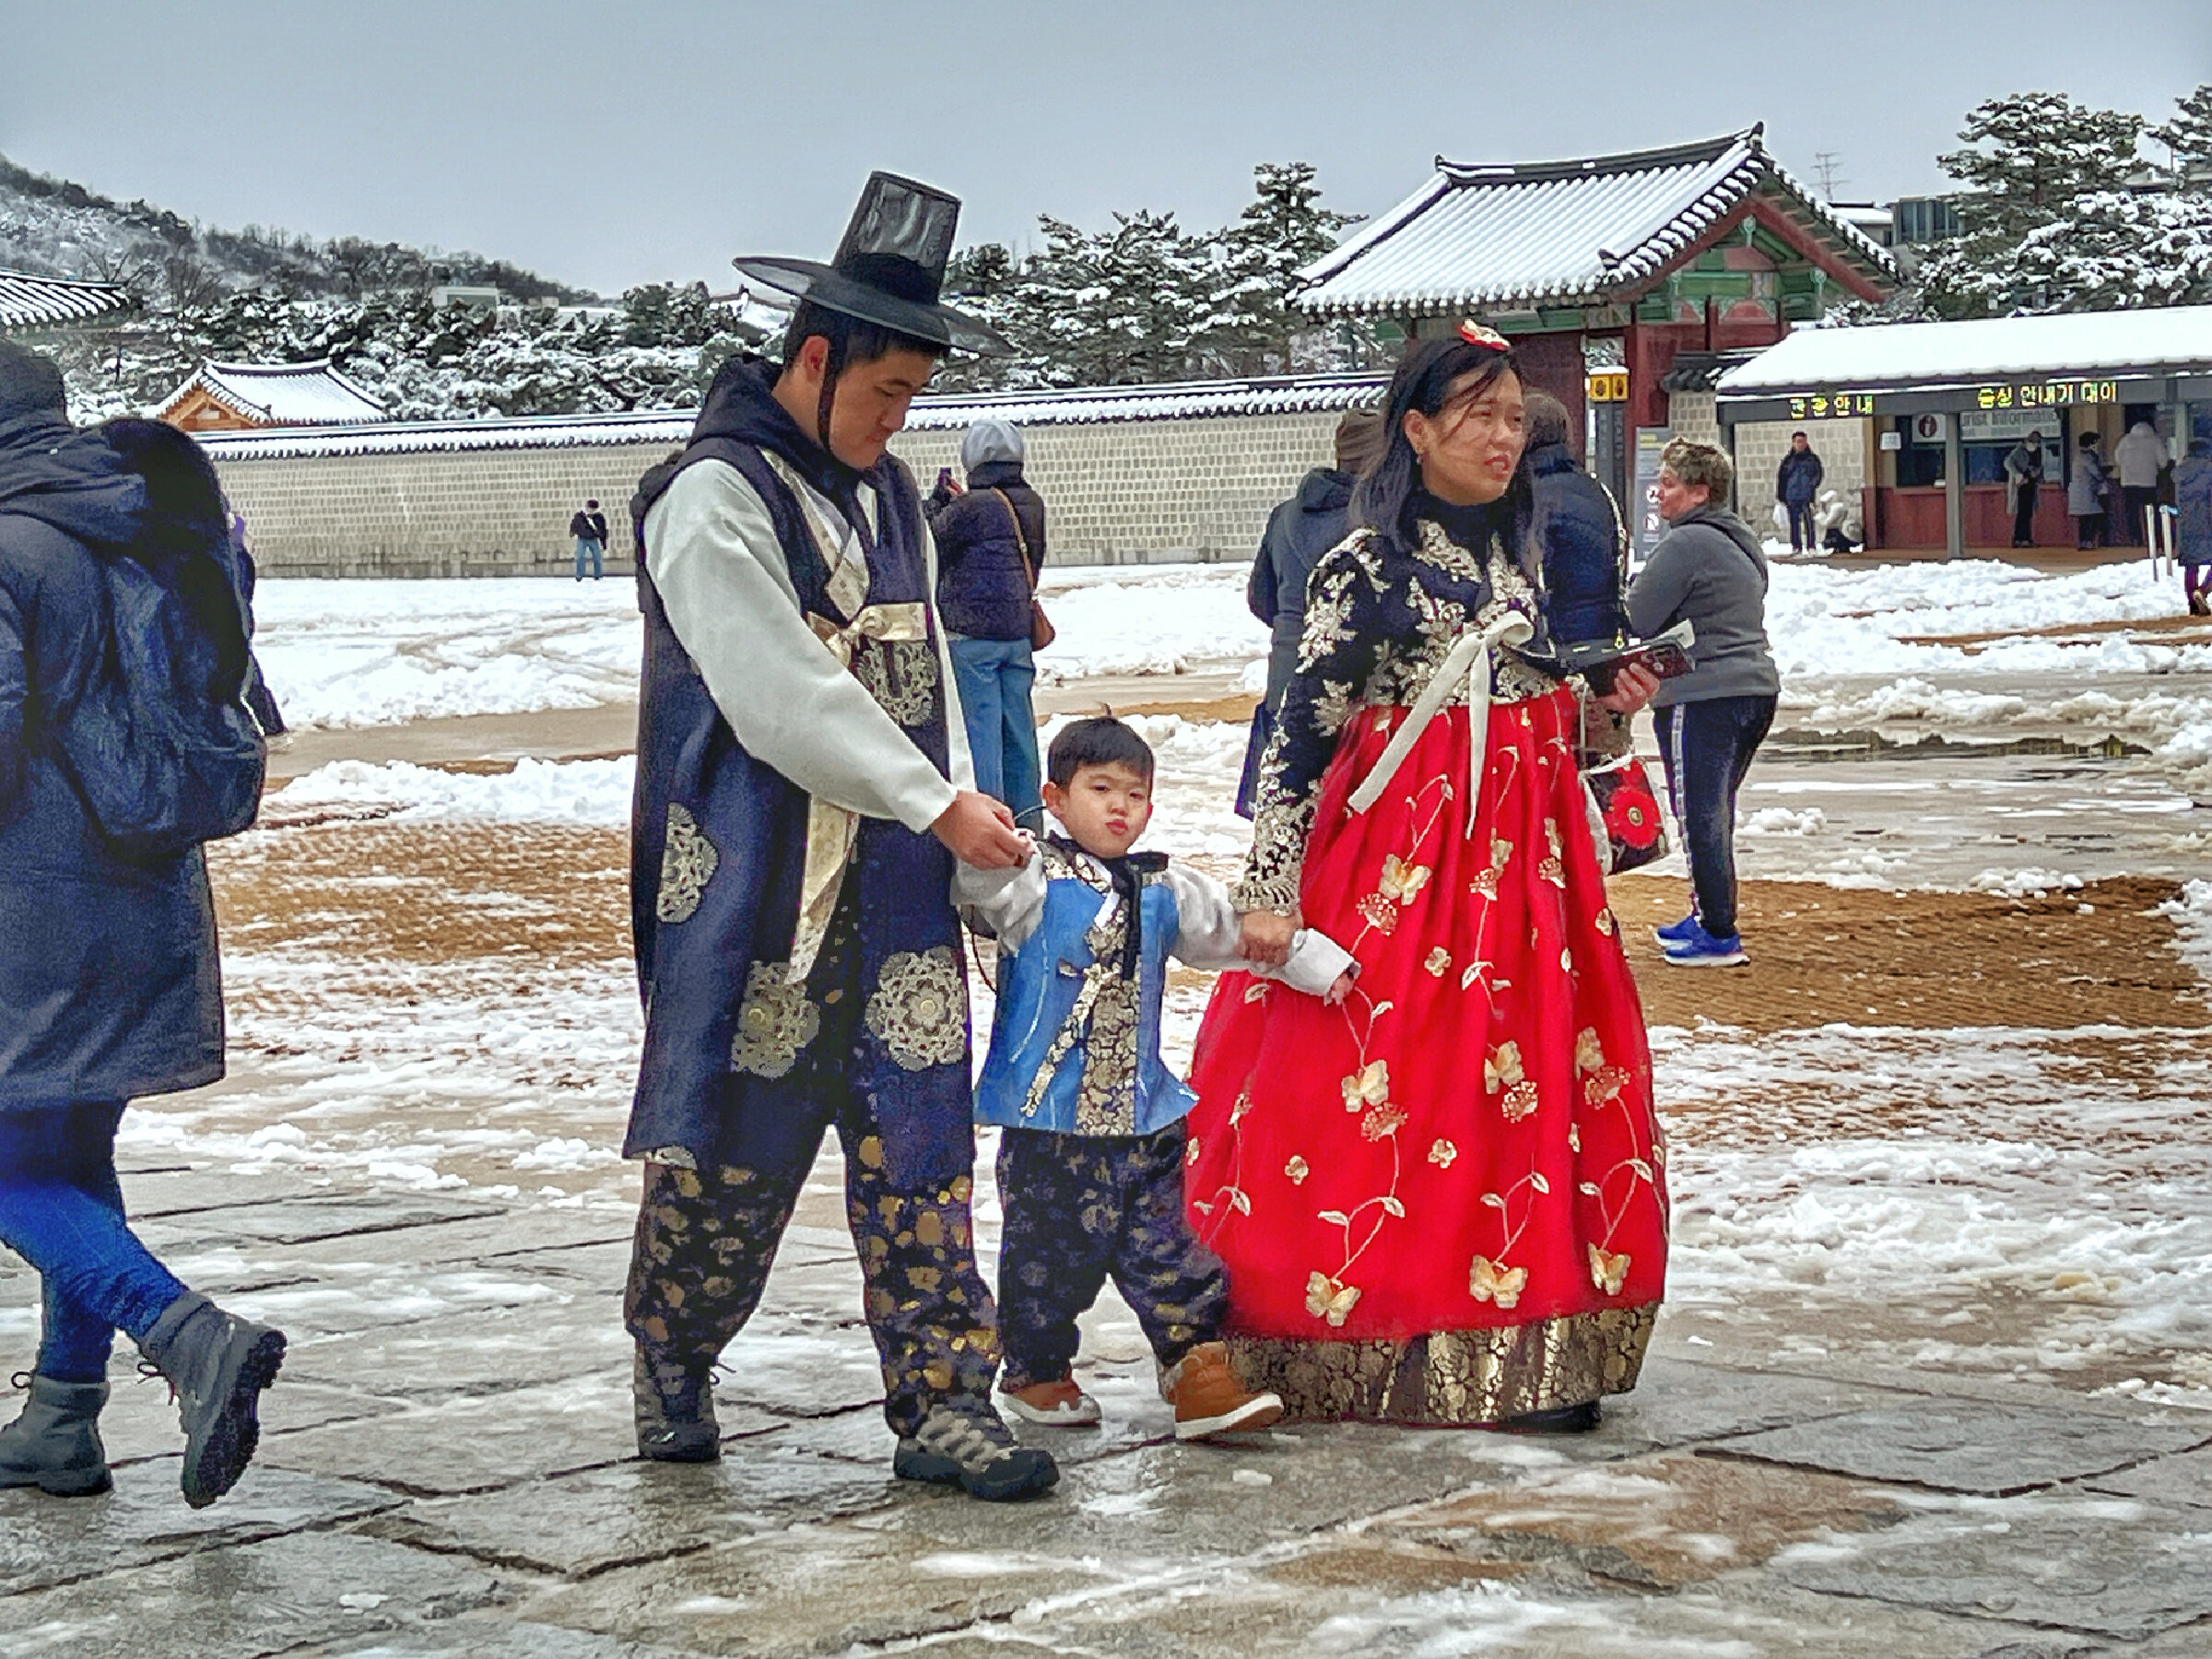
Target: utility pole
1824, 163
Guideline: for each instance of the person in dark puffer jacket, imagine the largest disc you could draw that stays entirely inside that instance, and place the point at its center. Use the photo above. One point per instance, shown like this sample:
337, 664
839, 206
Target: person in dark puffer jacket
1579, 526
109, 985
1299, 532
985, 537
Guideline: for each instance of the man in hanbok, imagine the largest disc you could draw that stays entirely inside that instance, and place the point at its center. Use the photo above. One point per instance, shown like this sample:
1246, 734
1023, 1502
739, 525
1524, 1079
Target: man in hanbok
804, 789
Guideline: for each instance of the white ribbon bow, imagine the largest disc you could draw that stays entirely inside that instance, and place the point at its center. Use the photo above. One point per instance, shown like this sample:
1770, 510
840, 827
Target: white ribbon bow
1472, 656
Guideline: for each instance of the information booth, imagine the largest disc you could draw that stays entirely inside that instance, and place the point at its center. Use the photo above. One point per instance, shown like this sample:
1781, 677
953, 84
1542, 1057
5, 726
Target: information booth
1940, 406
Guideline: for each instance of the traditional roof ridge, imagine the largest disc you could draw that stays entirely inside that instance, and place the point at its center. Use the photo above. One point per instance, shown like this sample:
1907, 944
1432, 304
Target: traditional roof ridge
1079, 405
221, 381
1643, 160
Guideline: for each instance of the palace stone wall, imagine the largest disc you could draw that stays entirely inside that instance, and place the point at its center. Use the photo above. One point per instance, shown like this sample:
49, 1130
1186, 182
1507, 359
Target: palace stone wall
1116, 491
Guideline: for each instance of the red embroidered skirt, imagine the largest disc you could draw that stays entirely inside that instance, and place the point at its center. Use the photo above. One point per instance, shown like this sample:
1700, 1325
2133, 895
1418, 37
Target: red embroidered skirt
1443, 1201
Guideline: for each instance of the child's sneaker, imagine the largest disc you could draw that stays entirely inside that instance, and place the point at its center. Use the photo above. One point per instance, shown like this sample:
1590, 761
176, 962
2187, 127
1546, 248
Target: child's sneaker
975, 1452
1702, 949
1208, 1399
1677, 933
1056, 1404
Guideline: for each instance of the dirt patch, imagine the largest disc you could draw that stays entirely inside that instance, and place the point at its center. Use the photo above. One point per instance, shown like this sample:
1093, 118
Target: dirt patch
2180, 630
1234, 710
2100, 955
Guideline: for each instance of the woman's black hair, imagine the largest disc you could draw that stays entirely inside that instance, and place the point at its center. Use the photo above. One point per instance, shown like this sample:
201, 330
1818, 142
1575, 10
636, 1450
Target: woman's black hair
1388, 496
853, 343
2087, 441
1100, 740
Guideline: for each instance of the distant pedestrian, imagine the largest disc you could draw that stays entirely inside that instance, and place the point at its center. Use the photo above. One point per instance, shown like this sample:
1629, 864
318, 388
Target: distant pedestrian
2139, 458
1578, 528
2023, 483
1299, 532
109, 983
990, 554
1708, 570
2086, 492
2192, 530
589, 528
1797, 486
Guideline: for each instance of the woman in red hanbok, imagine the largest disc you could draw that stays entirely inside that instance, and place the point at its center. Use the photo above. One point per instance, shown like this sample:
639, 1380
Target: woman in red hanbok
1443, 1201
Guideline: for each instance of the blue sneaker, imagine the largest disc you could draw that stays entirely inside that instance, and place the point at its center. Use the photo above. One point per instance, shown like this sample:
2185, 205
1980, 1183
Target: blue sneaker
1677, 933
1703, 950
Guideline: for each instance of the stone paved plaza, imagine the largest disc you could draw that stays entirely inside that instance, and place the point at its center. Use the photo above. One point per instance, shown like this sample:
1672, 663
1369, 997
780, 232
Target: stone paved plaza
459, 1481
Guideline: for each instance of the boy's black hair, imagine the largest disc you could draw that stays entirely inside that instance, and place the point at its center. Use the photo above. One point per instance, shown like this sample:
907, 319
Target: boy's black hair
1100, 740
854, 343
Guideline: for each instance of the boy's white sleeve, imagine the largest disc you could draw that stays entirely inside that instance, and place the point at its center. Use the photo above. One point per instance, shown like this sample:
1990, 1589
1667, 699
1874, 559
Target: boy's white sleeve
1009, 902
1208, 929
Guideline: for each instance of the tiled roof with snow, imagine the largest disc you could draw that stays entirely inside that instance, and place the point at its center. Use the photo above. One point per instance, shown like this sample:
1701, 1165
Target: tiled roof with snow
2152, 342
1190, 400
293, 395
1561, 232
28, 302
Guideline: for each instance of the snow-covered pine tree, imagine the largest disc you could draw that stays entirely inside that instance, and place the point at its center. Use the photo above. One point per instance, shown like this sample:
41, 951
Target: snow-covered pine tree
2027, 157
1282, 230
2118, 250
2188, 141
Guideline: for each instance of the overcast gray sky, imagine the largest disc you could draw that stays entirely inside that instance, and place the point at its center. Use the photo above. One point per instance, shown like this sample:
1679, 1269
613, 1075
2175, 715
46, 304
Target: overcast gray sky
609, 144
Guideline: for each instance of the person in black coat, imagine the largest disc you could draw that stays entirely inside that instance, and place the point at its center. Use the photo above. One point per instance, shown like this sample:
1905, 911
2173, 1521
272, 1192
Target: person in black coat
990, 554
1796, 486
1578, 527
1299, 532
110, 983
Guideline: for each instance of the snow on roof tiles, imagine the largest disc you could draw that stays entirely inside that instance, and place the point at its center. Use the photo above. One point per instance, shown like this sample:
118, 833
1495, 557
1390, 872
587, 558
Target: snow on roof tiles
1570, 233
2171, 340
671, 429
28, 302
293, 395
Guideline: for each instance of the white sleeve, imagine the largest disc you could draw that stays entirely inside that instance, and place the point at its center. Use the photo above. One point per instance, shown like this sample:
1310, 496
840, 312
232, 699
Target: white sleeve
713, 554
1011, 903
1206, 931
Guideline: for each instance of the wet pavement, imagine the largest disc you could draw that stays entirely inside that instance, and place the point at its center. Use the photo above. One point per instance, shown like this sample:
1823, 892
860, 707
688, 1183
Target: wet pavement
448, 1470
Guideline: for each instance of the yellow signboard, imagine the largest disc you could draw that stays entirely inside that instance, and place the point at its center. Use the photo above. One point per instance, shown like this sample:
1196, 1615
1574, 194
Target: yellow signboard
1831, 406
2047, 395
1608, 386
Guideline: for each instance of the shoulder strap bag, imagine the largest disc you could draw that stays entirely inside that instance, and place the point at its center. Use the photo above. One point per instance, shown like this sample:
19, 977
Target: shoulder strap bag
1042, 631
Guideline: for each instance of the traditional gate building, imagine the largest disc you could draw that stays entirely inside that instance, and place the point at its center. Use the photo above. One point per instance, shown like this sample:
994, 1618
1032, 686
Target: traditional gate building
1605, 272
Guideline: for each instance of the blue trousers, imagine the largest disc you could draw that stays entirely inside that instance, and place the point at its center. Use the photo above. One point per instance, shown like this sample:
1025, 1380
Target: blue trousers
588, 549
995, 678
61, 1210
1801, 526
1708, 748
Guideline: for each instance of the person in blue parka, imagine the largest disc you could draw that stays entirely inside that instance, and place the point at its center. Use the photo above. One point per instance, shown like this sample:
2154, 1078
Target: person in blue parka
110, 987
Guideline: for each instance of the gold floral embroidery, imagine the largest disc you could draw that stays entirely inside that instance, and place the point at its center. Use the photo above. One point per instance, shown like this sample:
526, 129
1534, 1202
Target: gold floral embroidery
1381, 1121
1333, 707
1379, 914
1589, 1053
1488, 1281
1518, 1102
1608, 1082
1550, 868
1438, 962
1402, 878
1503, 1066
688, 863
1604, 920
1296, 1169
1609, 1271
1370, 1085
1190, 1152
1329, 1299
1443, 1154
920, 1008
774, 1022
901, 675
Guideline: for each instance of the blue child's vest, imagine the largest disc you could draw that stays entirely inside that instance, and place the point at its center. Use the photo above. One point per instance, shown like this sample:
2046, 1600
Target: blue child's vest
1074, 1046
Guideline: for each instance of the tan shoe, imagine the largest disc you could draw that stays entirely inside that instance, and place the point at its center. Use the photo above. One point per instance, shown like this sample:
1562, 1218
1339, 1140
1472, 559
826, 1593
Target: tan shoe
1059, 1405
1208, 1399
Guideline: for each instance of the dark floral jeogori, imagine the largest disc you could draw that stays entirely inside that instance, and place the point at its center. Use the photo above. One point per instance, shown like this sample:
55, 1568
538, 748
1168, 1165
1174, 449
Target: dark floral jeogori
1379, 623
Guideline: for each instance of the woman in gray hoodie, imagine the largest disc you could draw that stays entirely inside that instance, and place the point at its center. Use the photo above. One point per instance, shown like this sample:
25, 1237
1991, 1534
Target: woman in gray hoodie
1708, 570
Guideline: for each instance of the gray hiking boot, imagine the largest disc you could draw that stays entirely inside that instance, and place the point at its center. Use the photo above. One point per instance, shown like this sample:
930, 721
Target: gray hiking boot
976, 1453
674, 1400
54, 1443
215, 1365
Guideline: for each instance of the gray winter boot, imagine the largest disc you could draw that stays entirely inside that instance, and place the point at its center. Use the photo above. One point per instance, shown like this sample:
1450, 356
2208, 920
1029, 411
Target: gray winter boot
54, 1443
216, 1364
674, 1401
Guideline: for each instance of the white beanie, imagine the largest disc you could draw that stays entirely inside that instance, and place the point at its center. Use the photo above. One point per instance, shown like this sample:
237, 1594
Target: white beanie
987, 441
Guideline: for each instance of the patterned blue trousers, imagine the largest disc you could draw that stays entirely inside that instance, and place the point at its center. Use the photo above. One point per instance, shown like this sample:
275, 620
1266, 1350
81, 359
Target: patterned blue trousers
1079, 1209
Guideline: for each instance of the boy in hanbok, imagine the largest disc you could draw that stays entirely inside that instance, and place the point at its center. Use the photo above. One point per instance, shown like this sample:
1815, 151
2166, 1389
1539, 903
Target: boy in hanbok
1090, 1162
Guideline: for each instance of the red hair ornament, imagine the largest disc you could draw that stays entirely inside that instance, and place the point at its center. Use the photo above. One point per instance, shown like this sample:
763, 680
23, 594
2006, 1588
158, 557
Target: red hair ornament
1489, 340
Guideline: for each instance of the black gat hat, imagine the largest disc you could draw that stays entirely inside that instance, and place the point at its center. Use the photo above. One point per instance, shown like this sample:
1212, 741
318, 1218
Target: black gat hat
889, 268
